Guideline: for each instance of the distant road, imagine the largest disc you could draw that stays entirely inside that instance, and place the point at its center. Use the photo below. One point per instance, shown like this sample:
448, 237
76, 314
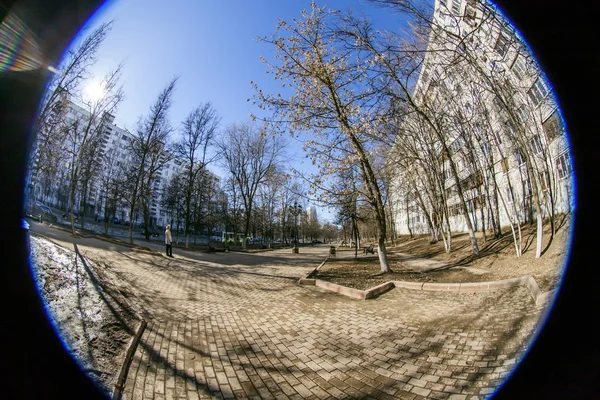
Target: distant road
308, 255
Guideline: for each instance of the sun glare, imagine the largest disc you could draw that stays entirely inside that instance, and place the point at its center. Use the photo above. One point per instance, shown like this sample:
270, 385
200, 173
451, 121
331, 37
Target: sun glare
94, 91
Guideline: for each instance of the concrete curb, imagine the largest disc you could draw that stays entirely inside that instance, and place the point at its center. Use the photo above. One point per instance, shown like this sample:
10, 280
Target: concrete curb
307, 280
377, 290
346, 291
527, 280
146, 251
351, 292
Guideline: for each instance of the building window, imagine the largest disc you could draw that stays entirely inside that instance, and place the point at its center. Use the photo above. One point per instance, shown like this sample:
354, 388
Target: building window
552, 126
509, 195
519, 157
510, 129
485, 148
563, 165
545, 180
502, 44
536, 144
498, 137
523, 114
470, 15
469, 206
527, 186
458, 143
455, 6
504, 164
518, 67
538, 91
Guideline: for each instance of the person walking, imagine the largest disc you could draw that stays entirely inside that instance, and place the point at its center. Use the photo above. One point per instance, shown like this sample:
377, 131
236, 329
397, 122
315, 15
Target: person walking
169, 241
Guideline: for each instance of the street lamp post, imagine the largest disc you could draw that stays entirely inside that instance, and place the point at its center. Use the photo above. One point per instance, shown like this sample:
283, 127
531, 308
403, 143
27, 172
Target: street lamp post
295, 210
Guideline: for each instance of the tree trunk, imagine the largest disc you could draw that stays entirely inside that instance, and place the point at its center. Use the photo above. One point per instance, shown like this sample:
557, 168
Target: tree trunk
72, 200
83, 208
382, 253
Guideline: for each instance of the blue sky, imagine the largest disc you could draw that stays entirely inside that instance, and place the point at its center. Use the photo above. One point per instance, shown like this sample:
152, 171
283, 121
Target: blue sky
210, 44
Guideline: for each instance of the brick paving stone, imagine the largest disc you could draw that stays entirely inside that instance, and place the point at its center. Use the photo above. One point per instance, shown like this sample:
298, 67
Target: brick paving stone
245, 329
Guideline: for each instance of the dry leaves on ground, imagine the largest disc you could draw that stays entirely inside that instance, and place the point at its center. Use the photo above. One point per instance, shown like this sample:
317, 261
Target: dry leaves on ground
497, 260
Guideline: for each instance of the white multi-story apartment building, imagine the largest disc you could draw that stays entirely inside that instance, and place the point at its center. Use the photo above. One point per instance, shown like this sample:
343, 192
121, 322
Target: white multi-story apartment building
311, 213
114, 157
499, 122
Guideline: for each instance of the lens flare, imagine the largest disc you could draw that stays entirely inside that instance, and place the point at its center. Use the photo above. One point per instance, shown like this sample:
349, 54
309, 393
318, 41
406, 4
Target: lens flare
19, 49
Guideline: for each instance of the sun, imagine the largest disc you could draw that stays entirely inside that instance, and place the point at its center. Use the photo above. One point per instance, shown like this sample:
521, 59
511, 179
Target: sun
94, 91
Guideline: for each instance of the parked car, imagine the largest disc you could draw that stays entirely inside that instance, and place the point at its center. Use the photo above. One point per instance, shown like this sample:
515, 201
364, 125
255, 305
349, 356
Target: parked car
115, 220
40, 212
75, 215
48, 214
153, 233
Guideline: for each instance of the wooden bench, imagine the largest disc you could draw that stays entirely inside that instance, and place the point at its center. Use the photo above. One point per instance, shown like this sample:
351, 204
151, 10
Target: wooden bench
369, 249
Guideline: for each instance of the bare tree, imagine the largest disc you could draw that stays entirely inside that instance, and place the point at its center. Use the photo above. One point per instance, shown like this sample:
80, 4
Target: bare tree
329, 101
459, 49
84, 132
249, 154
149, 151
110, 190
198, 133
173, 203
270, 199
233, 217
47, 152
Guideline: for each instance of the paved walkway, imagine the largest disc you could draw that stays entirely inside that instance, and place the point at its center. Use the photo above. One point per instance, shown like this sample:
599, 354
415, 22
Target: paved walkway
238, 331
232, 325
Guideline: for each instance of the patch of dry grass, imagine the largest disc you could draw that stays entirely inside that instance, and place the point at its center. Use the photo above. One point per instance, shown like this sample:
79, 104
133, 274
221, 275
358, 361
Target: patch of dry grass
497, 260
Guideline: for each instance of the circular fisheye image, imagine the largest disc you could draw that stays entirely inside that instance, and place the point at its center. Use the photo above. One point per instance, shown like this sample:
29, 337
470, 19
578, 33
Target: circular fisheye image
337, 199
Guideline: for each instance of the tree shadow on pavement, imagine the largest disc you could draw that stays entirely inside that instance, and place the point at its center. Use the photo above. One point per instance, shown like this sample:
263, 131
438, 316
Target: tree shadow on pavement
441, 359
438, 359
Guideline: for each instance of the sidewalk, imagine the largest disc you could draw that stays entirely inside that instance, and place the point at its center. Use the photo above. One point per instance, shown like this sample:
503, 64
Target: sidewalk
234, 332
238, 325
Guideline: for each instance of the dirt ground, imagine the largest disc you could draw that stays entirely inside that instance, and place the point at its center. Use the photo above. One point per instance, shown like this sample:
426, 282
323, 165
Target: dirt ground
93, 319
497, 260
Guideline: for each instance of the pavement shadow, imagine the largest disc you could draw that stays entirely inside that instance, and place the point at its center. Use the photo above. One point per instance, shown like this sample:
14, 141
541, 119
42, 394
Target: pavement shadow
419, 356
232, 282
153, 360
106, 292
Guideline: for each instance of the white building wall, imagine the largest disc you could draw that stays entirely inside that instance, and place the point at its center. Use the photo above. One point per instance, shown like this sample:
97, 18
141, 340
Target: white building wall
451, 13
116, 143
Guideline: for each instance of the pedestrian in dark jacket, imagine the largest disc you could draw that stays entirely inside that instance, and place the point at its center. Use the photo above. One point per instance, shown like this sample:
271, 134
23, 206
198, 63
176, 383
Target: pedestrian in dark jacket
169, 241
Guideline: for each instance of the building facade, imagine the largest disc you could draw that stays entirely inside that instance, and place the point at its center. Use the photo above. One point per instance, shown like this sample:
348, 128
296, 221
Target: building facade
487, 129
113, 158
